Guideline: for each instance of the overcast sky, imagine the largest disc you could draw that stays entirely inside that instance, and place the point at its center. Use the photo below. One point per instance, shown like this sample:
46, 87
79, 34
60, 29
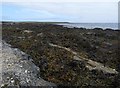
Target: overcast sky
65, 11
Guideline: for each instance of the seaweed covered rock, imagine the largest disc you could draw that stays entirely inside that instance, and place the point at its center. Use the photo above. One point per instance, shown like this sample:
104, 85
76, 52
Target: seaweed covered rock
58, 65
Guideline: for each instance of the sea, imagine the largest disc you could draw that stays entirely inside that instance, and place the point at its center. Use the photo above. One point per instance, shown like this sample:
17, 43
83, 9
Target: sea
113, 26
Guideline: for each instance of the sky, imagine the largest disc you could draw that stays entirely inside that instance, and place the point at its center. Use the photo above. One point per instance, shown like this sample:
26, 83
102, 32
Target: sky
87, 11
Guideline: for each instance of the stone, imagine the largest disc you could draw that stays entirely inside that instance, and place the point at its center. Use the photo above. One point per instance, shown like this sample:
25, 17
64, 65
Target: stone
12, 81
8, 77
2, 85
21, 66
26, 71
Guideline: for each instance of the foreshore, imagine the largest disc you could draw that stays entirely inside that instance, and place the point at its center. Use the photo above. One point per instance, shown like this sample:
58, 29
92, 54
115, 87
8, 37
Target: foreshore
59, 51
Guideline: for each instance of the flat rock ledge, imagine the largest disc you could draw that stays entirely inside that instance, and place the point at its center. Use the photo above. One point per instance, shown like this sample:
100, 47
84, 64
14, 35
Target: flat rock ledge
19, 70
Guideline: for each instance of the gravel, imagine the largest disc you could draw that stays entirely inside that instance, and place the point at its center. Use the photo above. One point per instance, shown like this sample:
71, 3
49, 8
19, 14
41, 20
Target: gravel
18, 69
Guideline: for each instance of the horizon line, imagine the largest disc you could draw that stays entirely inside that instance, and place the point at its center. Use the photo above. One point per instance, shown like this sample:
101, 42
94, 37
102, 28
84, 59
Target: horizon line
57, 22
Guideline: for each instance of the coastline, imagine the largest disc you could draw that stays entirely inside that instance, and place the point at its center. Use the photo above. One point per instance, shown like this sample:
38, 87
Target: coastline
60, 66
104, 26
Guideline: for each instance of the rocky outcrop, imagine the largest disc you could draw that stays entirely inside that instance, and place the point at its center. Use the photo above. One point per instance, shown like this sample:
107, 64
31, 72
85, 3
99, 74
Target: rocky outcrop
19, 70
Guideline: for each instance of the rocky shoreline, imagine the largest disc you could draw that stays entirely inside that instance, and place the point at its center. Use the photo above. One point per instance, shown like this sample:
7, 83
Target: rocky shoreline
19, 70
68, 56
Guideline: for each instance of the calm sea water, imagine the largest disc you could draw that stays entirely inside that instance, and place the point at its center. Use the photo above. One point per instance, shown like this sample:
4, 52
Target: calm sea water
91, 25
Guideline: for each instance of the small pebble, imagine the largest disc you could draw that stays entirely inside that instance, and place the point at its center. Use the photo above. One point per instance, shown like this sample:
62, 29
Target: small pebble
26, 71
8, 77
11, 78
21, 66
12, 81
2, 85
27, 80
